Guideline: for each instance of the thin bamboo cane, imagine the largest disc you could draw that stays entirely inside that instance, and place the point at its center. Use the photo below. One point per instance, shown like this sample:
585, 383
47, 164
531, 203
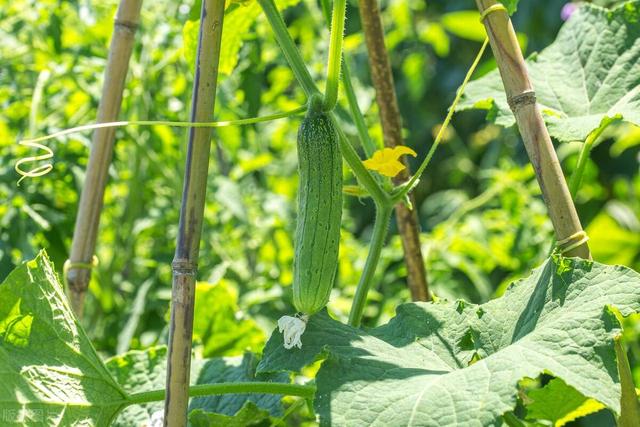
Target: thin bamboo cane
382, 79
78, 273
536, 138
185, 262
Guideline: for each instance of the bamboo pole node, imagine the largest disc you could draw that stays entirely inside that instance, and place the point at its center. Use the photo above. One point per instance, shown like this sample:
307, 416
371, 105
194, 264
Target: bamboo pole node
68, 265
184, 267
518, 101
130, 25
576, 239
493, 8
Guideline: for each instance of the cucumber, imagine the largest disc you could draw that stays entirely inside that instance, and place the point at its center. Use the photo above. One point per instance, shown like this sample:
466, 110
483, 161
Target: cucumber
317, 235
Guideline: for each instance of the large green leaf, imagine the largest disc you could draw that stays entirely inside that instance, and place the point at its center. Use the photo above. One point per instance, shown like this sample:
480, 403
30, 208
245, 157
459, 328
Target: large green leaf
453, 363
50, 373
591, 71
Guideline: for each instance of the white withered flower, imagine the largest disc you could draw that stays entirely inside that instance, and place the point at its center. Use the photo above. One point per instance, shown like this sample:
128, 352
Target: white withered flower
292, 328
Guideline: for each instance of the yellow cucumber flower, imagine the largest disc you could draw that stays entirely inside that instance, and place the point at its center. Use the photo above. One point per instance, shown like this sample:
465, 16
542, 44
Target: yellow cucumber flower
386, 161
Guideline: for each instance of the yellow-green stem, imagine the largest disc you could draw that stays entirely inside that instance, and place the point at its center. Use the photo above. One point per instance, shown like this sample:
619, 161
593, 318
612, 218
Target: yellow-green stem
335, 54
380, 228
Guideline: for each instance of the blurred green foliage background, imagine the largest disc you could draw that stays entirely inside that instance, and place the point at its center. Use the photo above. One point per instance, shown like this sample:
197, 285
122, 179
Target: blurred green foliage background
483, 220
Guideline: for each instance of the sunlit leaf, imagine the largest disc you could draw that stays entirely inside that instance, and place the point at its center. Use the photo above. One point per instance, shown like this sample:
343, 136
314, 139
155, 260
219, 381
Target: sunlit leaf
559, 403
451, 364
50, 372
590, 72
219, 326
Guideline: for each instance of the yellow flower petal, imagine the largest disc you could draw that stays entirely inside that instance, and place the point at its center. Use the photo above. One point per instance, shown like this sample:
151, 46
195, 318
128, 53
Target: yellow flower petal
391, 169
386, 162
403, 149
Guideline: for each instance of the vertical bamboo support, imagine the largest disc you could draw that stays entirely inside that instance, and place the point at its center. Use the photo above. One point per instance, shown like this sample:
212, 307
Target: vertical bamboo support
382, 78
191, 214
85, 233
536, 138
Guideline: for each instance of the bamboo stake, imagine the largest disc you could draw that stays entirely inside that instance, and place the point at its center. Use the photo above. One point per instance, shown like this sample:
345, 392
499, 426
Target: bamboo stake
532, 128
78, 268
390, 120
185, 262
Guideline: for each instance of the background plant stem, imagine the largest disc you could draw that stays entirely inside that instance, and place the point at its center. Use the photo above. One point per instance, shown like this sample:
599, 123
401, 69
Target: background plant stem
629, 409
542, 155
91, 200
390, 119
191, 215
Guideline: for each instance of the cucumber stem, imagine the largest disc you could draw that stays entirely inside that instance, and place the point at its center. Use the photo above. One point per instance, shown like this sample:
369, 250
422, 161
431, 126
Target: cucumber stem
380, 228
335, 54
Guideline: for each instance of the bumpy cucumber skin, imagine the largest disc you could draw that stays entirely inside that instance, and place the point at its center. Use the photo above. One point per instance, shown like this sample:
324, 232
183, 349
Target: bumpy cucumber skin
317, 235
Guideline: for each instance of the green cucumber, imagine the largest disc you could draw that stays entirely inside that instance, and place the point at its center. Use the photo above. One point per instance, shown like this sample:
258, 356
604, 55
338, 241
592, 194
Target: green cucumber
317, 237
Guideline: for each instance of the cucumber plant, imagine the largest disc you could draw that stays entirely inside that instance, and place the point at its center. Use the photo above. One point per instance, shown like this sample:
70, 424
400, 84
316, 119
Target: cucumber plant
440, 363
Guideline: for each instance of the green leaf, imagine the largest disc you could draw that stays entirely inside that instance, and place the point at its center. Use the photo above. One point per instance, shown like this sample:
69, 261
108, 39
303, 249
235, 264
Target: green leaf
591, 71
139, 371
455, 364
50, 372
559, 403
248, 415
217, 324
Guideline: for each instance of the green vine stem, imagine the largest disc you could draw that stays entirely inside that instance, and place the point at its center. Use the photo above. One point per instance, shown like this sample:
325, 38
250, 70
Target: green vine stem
363, 176
367, 143
219, 124
46, 168
380, 227
335, 54
306, 391
288, 47
358, 118
405, 188
576, 176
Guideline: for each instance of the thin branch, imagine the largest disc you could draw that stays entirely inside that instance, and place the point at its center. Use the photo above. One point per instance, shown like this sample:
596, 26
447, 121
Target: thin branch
407, 219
